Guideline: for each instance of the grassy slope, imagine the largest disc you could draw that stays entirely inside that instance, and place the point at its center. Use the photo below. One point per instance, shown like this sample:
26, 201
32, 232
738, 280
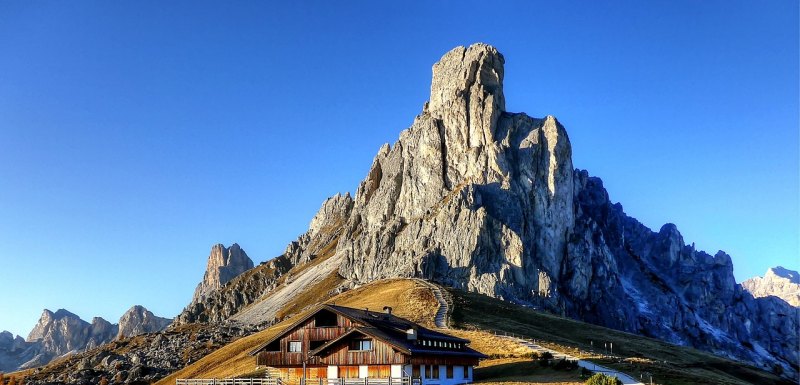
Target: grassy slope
479, 317
409, 300
670, 364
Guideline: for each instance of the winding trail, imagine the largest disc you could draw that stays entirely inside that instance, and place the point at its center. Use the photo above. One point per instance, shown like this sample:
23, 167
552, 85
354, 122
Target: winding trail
442, 317
442, 321
626, 379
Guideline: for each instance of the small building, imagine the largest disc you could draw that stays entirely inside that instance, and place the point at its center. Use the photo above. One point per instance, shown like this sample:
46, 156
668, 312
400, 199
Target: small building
336, 342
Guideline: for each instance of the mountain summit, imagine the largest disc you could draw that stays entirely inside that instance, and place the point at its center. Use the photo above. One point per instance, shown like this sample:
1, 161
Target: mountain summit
223, 265
777, 281
479, 198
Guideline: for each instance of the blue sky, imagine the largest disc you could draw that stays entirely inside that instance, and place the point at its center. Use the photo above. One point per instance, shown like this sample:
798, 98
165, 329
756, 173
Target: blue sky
134, 135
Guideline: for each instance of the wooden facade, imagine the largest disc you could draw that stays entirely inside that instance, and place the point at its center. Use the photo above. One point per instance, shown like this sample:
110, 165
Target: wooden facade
345, 343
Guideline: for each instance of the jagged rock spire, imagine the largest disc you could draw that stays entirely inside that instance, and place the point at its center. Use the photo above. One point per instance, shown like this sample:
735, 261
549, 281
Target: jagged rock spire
224, 264
464, 71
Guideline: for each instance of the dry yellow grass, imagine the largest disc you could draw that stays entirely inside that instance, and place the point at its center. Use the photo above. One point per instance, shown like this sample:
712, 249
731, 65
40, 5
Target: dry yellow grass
510, 371
490, 344
407, 298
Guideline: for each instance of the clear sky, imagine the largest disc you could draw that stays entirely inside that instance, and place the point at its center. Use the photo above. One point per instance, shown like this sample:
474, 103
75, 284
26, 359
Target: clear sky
134, 135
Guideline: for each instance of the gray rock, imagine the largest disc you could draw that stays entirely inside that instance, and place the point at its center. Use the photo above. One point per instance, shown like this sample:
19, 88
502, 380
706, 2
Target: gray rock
778, 282
138, 320
60, 333
223, 265
487, 200
139, 360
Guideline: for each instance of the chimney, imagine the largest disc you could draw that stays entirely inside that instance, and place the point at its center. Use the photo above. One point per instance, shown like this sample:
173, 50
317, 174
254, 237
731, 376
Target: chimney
387, 310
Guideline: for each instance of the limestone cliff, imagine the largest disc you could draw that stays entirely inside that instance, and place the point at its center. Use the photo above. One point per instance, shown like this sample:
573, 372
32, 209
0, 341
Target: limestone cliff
223, 265
138, 320
778, 282
62, 332
487, 200
260, 285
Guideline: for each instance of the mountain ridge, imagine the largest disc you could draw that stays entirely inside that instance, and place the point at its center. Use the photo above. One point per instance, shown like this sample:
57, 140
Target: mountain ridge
778, 282
62, 332
481, 199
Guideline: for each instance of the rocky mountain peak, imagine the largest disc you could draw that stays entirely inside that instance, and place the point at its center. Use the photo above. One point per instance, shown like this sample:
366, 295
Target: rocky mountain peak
48, 319
782, 272
466, 72
478, 198
223, 265
138, 320
777, 282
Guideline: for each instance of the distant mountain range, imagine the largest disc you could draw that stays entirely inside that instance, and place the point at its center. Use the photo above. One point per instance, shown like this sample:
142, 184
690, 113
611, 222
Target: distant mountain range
61, 333
481, 199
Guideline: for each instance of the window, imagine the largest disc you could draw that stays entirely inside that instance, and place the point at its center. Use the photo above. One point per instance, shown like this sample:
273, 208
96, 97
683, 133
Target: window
466, 371
435, 371
449, 372
295, 346
361, 345
313, 345
415, 371
428, 371
325, 319
274, 346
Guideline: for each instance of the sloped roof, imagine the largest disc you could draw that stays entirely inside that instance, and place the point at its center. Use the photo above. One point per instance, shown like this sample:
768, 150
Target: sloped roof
388, 328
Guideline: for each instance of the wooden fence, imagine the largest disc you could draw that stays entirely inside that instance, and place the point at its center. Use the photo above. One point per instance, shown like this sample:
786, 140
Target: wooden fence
229, 381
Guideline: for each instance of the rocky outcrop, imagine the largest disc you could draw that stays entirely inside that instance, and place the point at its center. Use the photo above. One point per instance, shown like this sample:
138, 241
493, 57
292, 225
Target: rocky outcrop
487, 200
14, 351
60, 333
138, 320
141, 360
777, 282
224, 264
258, 284
479, 198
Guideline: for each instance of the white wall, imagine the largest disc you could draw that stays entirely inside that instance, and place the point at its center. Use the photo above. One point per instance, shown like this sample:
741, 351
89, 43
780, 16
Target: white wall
397, 371
333, 371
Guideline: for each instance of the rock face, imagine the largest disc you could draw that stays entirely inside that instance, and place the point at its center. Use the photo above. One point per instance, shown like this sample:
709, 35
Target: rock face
253, 285
778, 282
14, 351
61, 333
224, 264
138, 320
138, 361
487, 200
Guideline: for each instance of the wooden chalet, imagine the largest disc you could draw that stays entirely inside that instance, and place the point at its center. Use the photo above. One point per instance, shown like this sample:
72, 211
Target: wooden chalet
336, 342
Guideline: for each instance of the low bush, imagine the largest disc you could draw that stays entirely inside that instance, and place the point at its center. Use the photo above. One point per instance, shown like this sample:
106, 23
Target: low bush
603, 379
564, 364
531, 355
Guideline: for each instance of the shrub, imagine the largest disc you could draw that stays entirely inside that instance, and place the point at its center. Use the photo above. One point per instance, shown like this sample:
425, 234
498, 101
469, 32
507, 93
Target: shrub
544, 358
603, 379
564, 364
531, 355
